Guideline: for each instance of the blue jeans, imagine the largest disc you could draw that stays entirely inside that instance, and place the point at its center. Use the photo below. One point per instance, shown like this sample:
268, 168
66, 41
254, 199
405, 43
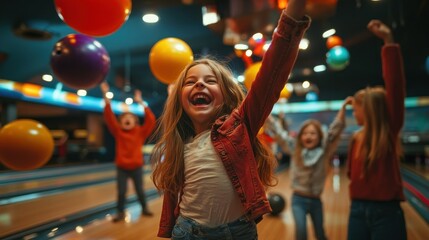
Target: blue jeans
301, 206
240, 229
136, 176
376, 220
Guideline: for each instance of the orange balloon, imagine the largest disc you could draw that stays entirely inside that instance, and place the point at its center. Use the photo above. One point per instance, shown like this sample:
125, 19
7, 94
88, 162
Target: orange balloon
250, 74
333, 41
285, 93
168, 57
94, 17
25, 144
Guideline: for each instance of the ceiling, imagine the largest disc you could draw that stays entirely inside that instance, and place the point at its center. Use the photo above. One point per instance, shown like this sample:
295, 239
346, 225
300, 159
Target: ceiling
24, 59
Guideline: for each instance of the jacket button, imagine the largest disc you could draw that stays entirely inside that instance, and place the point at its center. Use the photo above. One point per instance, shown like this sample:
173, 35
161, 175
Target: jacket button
223, 153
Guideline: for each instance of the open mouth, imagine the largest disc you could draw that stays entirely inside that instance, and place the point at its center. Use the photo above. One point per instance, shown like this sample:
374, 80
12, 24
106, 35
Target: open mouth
200, 99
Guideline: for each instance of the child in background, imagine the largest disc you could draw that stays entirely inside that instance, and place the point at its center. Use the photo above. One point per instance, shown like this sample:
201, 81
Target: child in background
310, 158
129, 139
375, 151
208, 161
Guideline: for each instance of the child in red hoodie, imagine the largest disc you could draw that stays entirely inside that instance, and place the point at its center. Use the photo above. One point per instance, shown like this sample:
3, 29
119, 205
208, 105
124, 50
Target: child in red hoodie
129, 138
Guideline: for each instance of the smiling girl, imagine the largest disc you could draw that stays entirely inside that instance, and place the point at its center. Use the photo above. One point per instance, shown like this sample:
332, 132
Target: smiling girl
208, 161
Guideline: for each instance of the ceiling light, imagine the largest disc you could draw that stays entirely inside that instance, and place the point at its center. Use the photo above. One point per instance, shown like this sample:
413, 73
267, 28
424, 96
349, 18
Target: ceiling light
47, 77
81, 92
306, 84
328, 33
109, 95
319, 68
129, 101
150, 18
303, 44
241, 46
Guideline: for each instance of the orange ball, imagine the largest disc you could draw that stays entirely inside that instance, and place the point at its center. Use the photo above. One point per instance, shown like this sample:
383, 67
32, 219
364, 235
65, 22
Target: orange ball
25, 144
250, 74
333, 41
285, 93
168, 57
94, 17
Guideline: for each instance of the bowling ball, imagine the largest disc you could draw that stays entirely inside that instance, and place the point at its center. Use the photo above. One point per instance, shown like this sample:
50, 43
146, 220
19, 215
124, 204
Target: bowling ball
277, 203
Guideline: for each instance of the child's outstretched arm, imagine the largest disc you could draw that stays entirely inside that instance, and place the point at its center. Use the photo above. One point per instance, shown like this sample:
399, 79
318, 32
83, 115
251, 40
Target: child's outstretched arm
104, 87
341, 115
149, 119
393, 74
336, 128
276, 66
109, 116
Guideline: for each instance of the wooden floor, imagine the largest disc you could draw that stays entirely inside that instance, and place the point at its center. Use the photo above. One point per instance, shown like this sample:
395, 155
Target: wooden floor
14, 217
336, 205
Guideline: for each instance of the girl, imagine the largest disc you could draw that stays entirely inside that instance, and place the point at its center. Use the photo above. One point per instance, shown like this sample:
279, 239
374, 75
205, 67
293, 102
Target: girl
311, 155
375, 150
208, 162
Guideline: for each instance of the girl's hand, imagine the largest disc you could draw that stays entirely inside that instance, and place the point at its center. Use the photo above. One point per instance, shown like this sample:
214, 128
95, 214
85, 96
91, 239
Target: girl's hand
380, 30
348, 101
296, 9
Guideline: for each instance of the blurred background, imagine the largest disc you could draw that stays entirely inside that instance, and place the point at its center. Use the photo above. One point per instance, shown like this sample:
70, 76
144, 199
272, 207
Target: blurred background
236, 31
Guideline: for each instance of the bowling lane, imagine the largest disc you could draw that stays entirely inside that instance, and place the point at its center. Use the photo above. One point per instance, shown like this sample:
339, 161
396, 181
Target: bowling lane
336, 206
28, 214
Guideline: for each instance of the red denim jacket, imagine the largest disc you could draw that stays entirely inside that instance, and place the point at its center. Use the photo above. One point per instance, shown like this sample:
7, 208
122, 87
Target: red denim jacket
232, 135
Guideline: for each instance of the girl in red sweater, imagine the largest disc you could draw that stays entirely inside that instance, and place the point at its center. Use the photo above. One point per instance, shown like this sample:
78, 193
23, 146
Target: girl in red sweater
375, 150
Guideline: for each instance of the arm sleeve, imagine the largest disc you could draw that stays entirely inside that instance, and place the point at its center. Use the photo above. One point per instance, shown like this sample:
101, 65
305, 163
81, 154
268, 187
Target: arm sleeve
149, 122
334, 133
394, 80
276, 66
110, 118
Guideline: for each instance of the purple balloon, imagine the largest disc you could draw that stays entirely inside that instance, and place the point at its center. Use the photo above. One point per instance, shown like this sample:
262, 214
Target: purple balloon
80, 61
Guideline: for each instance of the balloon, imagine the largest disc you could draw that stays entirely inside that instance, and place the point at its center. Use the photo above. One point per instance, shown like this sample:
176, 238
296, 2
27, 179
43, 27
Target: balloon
25, 144
94, 17
285, 93
277, 203
168, 57
250, 74
333, 41
337, 58
311, 96
79, 61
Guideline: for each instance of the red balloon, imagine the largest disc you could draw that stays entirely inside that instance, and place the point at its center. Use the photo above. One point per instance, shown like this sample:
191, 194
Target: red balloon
94, 17
333, 41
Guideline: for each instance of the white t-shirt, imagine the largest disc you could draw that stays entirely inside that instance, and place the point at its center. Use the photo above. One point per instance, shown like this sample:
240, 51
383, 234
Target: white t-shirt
208, 195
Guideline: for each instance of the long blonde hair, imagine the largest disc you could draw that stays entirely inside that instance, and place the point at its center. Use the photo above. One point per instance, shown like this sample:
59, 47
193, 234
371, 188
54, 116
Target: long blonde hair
377, 139
175, 127
297, 154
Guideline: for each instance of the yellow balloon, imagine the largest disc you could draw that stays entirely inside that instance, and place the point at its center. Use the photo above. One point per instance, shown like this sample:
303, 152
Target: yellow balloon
168, 57
250, 74
285, 93
25, 144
